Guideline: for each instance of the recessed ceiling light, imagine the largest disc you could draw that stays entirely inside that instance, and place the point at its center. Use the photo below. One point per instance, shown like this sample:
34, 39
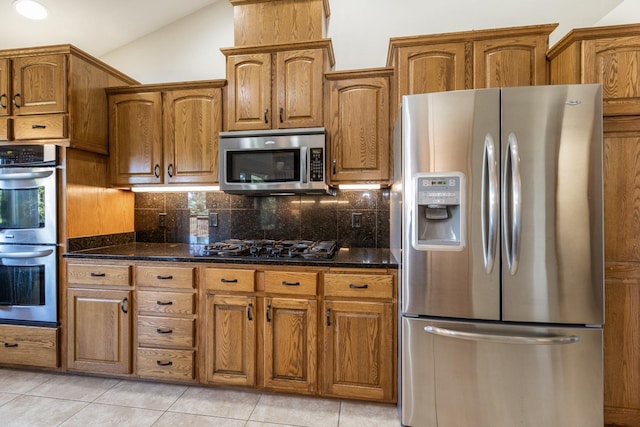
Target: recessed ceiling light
30, 9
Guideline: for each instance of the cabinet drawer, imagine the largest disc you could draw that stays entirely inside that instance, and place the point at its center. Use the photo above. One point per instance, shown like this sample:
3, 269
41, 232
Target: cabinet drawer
165, 277
166, 364
223, 279
29, 345
165, 302
96, 274
358, 285
40, 126
161, 331
288, 282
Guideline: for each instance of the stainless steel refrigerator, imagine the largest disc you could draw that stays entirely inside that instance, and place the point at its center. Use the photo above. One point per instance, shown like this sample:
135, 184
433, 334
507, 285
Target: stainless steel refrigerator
497, 221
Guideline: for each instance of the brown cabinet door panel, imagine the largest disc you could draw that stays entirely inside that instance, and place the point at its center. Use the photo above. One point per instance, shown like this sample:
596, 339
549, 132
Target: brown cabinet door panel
249, 91
40, 84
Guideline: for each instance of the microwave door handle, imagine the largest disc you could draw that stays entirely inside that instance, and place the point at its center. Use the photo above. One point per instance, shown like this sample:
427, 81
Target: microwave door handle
303, 168
26, 254
25, 175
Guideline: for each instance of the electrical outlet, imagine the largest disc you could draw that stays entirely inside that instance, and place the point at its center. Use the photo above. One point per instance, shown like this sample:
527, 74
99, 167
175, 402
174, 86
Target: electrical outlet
356, 220
162, 220
213, 219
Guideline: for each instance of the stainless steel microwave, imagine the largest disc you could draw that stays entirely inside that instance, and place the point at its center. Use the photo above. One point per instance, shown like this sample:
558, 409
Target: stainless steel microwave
273, 162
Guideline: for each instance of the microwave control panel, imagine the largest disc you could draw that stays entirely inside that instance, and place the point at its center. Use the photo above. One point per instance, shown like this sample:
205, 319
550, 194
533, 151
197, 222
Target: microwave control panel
316, 165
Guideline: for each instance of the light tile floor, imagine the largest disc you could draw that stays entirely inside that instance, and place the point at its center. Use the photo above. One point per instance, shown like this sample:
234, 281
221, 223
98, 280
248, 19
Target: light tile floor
34, 399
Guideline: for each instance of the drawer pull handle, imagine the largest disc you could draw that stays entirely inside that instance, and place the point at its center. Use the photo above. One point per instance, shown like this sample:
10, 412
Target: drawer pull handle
328, 314
3, 104
124, 305
352, 286
164, 331
165, 277
7, 345
159, 363
266, 119
223, 280
164, 302
249, 311
98, 274
15, 100
290, 283
38, 127
269, 313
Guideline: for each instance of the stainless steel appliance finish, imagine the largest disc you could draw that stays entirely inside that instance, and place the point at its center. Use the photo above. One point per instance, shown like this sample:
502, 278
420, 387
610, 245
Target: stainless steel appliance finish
285, 161
28, 290
517, 252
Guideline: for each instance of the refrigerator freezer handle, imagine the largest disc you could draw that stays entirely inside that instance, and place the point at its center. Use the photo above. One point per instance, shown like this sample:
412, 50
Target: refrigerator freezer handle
512, 204
502, 339
490, 207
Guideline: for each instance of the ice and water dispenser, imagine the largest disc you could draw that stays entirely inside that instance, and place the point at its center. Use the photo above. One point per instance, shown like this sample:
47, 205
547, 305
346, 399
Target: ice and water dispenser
439, 211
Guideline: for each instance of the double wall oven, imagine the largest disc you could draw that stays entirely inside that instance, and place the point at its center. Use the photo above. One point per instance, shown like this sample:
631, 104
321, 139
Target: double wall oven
28, 234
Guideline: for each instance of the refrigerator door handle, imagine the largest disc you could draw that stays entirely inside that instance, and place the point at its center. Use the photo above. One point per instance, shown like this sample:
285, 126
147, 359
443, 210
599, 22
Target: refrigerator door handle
512, 204
503, 339
490, 210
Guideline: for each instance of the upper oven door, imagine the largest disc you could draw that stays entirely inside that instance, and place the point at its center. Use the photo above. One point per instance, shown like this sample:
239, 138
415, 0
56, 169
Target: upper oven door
28, 205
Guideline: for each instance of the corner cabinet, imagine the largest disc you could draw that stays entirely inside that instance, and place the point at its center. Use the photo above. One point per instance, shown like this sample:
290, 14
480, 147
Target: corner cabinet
611, 56
54, 95
359, 335
99, 318
165, 134
501, 57
357, 120
276, 87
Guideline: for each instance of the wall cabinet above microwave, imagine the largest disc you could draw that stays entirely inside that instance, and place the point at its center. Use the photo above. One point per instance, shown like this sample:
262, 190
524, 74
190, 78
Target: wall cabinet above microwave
276, 87
166, 133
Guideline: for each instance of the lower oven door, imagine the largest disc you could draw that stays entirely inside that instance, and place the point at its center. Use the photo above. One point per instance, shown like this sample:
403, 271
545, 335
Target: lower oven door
28, 284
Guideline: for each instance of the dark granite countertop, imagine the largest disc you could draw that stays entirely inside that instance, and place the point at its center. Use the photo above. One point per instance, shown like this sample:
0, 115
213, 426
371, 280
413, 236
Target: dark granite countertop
184, 252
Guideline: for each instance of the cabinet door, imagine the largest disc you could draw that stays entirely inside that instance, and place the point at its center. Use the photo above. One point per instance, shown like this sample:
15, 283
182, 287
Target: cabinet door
517, 61
249, 91
5, 94
290, 344
614, 63
358, 350
230, 340
192, 120
359, 130
433, 68
135, 123
298, 89
99, 331
40, 84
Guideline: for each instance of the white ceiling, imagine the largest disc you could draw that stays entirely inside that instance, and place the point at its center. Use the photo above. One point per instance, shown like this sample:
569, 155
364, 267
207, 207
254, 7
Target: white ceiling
97, 26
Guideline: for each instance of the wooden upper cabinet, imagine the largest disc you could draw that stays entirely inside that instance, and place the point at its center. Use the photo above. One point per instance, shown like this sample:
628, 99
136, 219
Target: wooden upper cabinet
192, 122
516, 61
40, 84
249, 91
358, 126
606, 55
165, 133
5, 93
433, 68
276, 87
135, 123
472, 59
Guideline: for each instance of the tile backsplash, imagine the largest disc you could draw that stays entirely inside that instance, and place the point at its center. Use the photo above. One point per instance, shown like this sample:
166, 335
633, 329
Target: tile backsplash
204, 217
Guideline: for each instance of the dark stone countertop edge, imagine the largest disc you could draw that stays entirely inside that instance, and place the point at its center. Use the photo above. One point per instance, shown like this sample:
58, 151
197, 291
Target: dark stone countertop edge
184, 252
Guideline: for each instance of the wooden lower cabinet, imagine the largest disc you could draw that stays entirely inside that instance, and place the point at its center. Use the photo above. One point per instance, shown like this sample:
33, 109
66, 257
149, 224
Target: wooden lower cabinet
290, 344
29, 345
358, 350
230, 353
99, 331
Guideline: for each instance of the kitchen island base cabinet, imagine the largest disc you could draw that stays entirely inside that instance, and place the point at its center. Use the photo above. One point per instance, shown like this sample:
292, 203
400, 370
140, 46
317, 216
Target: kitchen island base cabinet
230, 340
99, 331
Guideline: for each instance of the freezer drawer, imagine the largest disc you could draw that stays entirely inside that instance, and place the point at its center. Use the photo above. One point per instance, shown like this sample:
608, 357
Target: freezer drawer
490, 375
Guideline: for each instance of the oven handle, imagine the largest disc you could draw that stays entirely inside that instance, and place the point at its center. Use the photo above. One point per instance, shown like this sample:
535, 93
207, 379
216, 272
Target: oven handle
25, 175
27, 254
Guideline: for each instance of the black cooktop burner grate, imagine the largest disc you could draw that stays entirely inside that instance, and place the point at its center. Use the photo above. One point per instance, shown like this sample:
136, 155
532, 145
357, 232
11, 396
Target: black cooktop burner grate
266, 248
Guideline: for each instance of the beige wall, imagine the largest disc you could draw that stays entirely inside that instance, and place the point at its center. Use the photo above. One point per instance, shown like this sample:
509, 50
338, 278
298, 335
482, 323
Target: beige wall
360, 30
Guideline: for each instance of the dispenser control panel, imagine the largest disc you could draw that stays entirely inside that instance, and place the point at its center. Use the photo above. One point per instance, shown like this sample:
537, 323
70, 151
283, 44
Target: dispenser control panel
438, 190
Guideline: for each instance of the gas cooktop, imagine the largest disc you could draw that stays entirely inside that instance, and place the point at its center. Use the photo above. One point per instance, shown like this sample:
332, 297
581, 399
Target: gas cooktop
265, 248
